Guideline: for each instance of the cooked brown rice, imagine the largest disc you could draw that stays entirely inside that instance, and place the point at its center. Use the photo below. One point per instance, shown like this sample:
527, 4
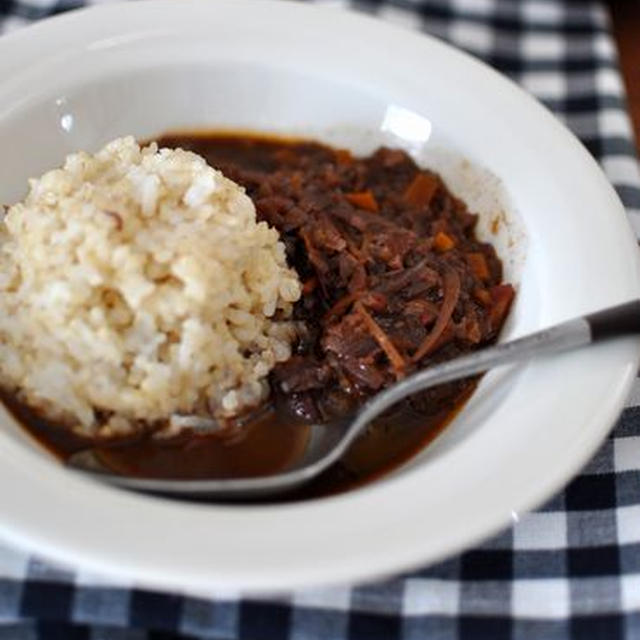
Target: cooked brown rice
137, 284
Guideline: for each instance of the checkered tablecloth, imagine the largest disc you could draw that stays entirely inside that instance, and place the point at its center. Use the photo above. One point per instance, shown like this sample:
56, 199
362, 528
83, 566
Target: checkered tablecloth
569, 570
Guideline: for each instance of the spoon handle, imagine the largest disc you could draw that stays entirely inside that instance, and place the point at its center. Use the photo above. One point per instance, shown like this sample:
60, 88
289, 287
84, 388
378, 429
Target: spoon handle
623, 319
620, 320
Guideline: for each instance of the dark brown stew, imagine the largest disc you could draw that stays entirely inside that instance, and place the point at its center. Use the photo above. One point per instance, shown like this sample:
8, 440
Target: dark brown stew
394, 280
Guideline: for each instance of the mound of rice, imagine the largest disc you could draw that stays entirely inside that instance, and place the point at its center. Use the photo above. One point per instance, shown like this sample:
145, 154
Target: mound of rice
136, 285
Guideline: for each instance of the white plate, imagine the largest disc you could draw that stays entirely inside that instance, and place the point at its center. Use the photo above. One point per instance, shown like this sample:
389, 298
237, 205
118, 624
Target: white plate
81, 79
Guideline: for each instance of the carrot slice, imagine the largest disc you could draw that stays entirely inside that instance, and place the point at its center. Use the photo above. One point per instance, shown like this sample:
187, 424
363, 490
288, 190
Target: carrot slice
443, 242
482, 296
422, 188
343, 157
502, 297
397, 361
363, 200
479, 266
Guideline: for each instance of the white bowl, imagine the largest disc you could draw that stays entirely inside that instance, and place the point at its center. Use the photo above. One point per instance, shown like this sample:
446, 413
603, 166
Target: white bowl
79, 80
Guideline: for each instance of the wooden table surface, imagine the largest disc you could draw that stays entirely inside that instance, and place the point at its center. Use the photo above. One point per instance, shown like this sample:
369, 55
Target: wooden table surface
625, 16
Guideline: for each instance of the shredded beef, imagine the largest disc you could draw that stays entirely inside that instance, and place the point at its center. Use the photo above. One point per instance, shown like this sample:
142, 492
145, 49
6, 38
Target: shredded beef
394, 277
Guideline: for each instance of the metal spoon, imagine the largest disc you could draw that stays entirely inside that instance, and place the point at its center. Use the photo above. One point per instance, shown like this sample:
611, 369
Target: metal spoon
329, 442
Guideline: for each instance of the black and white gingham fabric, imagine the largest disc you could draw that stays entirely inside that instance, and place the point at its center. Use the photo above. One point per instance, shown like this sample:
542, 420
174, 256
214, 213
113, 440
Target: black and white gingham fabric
569, 570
